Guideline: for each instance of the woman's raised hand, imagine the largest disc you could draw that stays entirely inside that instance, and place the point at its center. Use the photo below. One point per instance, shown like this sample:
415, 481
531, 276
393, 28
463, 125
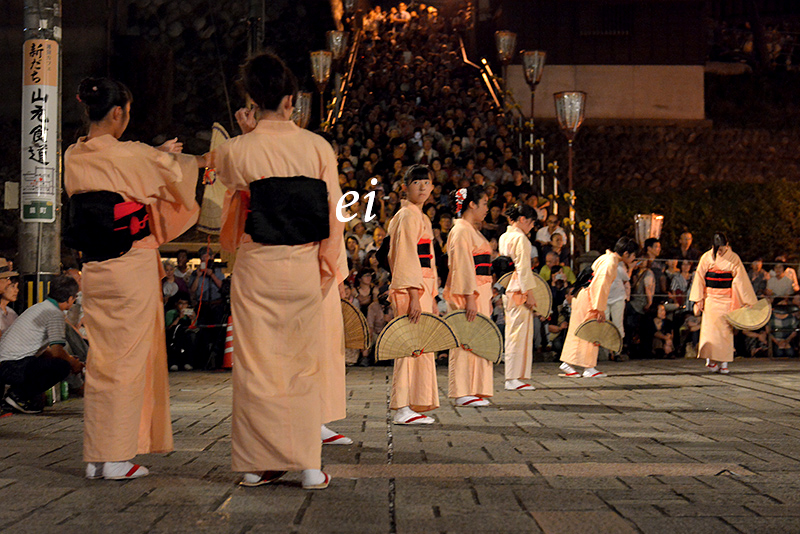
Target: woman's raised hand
246, 117
173, 145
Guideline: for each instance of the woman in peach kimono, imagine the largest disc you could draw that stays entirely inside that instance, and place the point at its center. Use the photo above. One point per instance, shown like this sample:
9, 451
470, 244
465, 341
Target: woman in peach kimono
518, 301
332, 360
469, 287
281, 220
148, 196
721, 285
413, 291
590, 303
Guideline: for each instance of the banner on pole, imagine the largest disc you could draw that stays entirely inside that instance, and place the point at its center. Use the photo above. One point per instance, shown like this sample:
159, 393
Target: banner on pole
39, 187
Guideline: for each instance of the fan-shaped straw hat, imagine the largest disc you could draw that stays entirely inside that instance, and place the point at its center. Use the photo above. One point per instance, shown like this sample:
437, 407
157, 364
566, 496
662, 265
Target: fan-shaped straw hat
751, 318
356, 329
541, 293
402, 338
604, 334
480, 337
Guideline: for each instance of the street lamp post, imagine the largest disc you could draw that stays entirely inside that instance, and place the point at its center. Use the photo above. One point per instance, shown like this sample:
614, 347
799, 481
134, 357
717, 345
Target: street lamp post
302, 109
532, 66
321, 61
570, 111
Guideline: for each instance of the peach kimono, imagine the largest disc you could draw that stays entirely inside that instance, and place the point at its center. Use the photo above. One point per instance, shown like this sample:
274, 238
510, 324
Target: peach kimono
332, 362
592, 297
276, 302
724, 286
469, 256
413, 266
519, 319
126, 409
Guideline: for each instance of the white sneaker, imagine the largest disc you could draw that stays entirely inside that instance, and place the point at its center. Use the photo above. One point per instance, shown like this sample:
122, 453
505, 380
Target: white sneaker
723, 369
518, 385
712, 367
569, 371
123, 471
187, 367
592, 372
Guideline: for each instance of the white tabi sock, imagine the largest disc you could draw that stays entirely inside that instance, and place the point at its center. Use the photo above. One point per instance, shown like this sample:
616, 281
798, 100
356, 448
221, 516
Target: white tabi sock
329, 437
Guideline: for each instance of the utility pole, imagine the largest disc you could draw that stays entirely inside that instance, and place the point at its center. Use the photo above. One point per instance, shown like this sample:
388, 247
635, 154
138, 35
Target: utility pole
40, 188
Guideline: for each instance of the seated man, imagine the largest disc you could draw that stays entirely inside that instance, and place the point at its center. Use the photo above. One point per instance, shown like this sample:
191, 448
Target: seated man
779, 285
32, 355
553, 265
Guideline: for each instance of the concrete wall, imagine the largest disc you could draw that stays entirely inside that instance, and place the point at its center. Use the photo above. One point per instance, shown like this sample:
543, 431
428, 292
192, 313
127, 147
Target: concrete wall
639, 92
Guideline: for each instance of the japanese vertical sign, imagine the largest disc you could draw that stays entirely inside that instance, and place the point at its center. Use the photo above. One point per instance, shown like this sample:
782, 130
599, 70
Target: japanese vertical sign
40, 179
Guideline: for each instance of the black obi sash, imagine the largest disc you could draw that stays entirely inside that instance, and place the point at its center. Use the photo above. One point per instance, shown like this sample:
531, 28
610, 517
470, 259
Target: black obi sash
102, 225
483, 264
424, 253
288, 211
719, 279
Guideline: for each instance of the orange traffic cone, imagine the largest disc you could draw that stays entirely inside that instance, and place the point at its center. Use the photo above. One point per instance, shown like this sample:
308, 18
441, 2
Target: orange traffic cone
227, 357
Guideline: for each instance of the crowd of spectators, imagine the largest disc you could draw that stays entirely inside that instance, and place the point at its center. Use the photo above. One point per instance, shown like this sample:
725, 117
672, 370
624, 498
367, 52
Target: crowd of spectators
415, 101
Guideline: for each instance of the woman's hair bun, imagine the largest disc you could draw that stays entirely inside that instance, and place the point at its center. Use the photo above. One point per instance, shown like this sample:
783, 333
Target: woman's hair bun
515, 211
100, 95
267, 79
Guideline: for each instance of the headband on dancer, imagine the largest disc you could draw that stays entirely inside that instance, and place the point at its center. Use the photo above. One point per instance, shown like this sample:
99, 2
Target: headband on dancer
461, 196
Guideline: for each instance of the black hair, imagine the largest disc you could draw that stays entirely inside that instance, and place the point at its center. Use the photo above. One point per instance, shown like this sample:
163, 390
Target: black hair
473, 193
365, 271
172, 302
720, 240
417, 172
626, 244
101, 95
649, 242
515, 211
62, 288
267, 79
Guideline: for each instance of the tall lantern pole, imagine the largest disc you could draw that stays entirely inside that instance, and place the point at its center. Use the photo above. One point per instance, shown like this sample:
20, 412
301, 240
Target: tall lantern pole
532, 67
321, 72
570, 111
40, 188
506, 43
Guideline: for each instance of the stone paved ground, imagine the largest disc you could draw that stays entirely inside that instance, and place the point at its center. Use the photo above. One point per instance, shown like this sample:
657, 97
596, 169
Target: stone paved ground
659, 446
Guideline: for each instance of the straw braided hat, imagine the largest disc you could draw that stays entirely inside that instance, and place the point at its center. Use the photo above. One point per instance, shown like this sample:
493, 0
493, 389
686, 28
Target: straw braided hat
402, 338
604, 334
752, 317
356, 329
480, 337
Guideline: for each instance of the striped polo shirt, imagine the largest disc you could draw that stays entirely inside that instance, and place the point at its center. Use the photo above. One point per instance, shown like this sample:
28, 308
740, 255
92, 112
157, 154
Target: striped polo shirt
38, 327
